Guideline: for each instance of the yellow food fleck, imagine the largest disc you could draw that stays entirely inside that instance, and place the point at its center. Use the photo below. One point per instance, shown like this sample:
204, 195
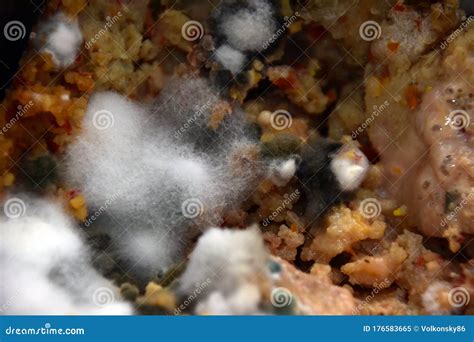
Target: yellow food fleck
156, 295
77, 202
8, 179
401, 211
374, 87
396, 170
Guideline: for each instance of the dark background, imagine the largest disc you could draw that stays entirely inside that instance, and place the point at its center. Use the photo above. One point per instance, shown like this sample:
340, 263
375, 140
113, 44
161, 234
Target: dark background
27, 12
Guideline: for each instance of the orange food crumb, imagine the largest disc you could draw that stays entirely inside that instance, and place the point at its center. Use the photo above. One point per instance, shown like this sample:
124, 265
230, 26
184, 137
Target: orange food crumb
79, 209
289, 82
412, 96
396, 170
77, 202
393, 46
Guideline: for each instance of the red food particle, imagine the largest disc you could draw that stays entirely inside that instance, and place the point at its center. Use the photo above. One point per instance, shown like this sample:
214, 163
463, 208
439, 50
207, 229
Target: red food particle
288, 82
162, 40
393, 46
73, 193
399, 7
412, 96
79, 58
331, 95
67, 127
420, 262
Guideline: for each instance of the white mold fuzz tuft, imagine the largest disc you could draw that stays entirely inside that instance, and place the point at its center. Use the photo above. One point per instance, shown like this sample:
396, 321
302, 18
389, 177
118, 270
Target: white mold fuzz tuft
46, 267
61, 37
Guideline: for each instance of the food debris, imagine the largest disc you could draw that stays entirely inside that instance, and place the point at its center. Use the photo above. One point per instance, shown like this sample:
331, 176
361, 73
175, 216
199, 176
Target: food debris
252, 157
